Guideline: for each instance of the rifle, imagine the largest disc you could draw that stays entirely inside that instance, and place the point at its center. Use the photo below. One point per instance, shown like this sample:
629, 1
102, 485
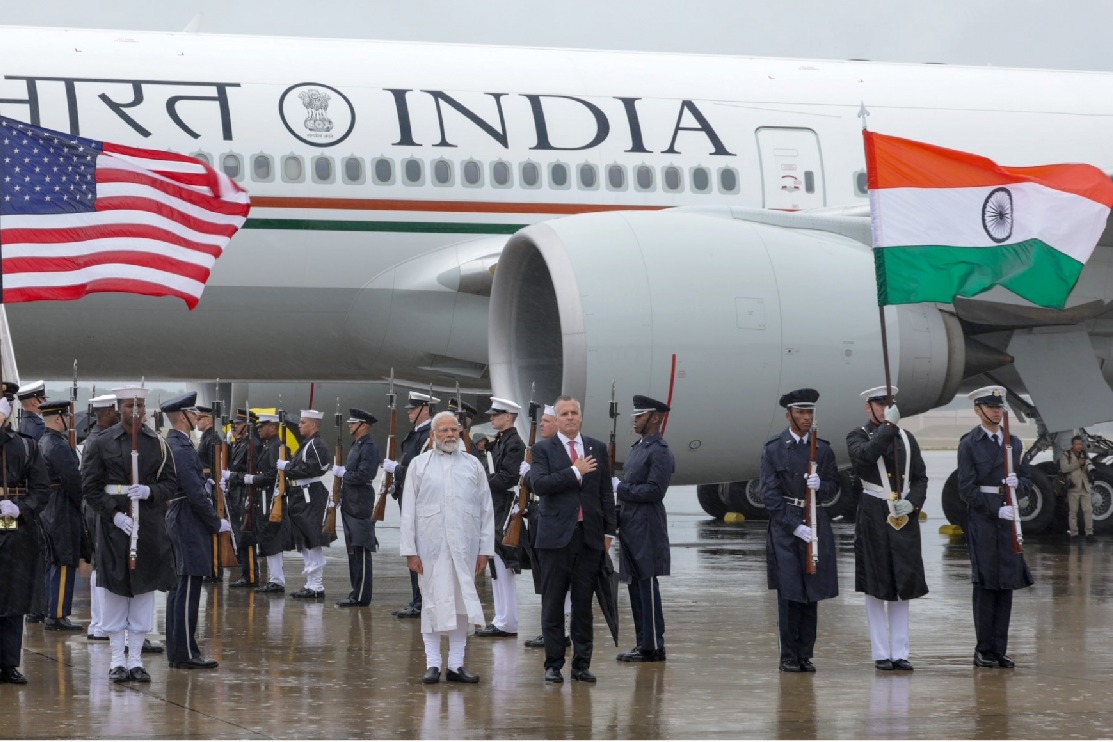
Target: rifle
614, 429
280, 487
513, 528
73, 409
133, 546
329, 528
812, 561
379, 513
247, 525
90, 412
1018, 536
225, 555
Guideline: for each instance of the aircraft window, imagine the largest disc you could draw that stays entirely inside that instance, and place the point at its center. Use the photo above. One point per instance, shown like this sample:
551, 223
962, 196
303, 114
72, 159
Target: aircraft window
531, 175
442, 172
322, 169
589, 178
232, 165
643, 178
673, 178
472, 173
809, 181
292, 169
728, 180
861, 183
353, 170
701, 180
501, 173
616, 178
382, 171
203, 157
413, 171
262, 168
558, 175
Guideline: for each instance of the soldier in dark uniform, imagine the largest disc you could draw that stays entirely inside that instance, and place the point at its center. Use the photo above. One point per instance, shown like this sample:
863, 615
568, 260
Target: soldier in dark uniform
420, 411
507, 455
243, 453
27, 493
356, 505
210, 441
271, 539
105, 416
31, 396
784, 480
643, 533
888, 565
62, 522
996, 569
307, 499
128, 595
191, 521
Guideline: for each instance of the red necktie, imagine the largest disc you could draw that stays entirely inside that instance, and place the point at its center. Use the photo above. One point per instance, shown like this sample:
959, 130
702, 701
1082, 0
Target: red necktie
572, 455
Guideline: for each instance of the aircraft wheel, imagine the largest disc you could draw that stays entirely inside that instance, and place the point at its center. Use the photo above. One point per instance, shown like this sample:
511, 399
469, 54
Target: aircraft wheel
711, 499
1102, 496
745, 498
954, 509
845, 503
1037, 506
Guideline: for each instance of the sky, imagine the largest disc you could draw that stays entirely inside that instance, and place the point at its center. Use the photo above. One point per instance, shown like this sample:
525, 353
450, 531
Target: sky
1071, 34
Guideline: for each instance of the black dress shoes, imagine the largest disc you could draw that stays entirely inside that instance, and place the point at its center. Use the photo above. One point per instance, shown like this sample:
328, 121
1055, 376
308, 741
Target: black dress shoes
902, 665
35, 618
61, 624
460, 675
12, 675
790, 666
806, 666
642, 655
885, 664
552, 675
307, 594
535, 643
432, 675
271, 587
139, 675
408, 612
494, 631
195, 663
1005, 661
118, 675
241, 583
95, 638
984, 659
350, 603
149, 648
584, 676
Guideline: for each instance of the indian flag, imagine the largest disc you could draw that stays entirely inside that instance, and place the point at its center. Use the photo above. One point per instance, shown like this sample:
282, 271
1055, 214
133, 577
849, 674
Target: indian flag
948, 223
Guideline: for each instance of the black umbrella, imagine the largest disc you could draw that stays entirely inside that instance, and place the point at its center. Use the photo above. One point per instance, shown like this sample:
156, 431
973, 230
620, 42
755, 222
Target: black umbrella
606, 592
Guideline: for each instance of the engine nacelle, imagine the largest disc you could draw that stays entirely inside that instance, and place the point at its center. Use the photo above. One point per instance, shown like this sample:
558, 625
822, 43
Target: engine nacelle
748, 310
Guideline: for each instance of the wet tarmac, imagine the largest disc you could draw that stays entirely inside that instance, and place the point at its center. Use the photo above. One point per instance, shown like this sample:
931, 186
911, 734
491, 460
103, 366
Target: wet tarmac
296, 670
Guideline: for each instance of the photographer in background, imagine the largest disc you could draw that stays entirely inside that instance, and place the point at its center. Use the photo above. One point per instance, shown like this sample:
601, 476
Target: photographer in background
1077, 467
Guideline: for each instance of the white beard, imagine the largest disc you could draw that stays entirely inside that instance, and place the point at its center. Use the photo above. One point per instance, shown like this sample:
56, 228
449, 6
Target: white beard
447, 446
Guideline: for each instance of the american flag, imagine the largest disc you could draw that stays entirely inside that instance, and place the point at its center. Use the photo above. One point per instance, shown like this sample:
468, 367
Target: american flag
78, 216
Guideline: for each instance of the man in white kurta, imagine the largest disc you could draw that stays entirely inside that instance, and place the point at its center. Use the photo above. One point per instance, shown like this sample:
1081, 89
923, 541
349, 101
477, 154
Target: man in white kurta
447, 535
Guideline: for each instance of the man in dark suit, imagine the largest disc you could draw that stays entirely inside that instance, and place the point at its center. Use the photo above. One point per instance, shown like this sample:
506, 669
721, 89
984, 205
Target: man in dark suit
576, 525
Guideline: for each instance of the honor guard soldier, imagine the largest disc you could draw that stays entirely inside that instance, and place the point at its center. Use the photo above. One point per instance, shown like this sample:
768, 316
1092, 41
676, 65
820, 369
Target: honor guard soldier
243, 451
785, 478
888, 566
643, 533
417, 441
31, 397
128, 590
271, 539
357, 502
507, 455
307, 500
210, 441
26, 491
191, 521
997, 569
61, 520
105, 415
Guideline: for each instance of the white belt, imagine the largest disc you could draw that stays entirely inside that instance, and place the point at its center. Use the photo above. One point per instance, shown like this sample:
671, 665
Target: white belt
306, 482
876, 490
117, 489
989, 490
794, 501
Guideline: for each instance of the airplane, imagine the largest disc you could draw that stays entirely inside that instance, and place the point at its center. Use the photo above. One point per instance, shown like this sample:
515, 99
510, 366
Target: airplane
689, 226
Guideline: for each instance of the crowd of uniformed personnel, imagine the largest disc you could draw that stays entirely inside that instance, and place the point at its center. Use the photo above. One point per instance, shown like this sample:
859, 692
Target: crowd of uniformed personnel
149, 512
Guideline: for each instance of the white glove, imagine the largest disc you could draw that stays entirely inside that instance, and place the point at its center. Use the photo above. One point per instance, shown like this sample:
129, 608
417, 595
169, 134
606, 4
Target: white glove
225, 526
523, 469
8, 509
249, 479
1011, 480
514, 507
139, 492
5, 407
123, 522
803, 533
812, 481
229, 438
892, 414
389, 466
614, 483
1006, 512
209, 484
225, 477
339, 471
330, 503
282, 464
903, 507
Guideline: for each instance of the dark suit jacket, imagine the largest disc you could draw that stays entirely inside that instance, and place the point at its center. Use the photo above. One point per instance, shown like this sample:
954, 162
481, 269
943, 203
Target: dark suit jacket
561, 495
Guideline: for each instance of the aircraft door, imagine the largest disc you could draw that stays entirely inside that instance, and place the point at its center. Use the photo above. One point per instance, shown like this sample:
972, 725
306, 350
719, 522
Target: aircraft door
791, 168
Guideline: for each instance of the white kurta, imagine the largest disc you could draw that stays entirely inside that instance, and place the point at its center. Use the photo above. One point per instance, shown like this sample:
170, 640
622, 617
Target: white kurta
448, 521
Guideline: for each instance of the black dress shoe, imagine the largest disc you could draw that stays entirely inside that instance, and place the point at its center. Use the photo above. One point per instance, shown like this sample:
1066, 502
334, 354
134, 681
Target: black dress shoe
432, 675
643, 655
307, 594
806, 666
139, 675
984, 659
95, 638
1005, 661
35, 618
902, 665
584, 676
150, 648
1090, 538
790, 666
195, 663
552, 675
408, 612
493, 631
61, 624
885, 664
271, 587
628, 656
535, 643
350, 603
460, 675
12, 675
241, 583
119, 675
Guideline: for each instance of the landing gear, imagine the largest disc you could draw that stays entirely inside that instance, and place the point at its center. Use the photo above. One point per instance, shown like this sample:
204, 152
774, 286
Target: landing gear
712, 498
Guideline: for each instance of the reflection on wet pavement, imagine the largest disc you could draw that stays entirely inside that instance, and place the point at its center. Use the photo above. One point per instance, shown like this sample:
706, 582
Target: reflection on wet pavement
310, 670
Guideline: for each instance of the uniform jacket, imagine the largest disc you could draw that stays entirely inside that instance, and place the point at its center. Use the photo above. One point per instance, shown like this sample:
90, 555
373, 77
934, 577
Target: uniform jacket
191, 519
415, 442
206, 449
784, 463
306, 505
19, 548
62, 521
107, 460
31, 425
271, 538
981, 462
358, 496
507, 454
561, 495
643, 531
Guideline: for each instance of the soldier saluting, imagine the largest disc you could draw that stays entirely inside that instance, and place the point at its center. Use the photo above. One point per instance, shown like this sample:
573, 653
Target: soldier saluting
888, 566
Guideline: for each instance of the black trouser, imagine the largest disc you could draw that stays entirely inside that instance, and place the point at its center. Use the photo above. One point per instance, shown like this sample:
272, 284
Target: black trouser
359, 570
181, 619
574, 567
11, 640
59, 590
798, 622
992, 611
649, 617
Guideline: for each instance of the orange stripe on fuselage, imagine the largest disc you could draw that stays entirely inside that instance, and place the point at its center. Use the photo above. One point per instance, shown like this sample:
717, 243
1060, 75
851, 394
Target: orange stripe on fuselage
455, 207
